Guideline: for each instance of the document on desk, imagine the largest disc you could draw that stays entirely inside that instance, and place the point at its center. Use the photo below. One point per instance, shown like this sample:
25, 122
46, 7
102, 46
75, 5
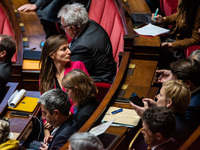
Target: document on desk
128, 117
151, 30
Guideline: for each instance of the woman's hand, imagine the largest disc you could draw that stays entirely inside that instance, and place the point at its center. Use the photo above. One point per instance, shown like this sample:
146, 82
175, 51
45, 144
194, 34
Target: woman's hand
166, 44
158, 18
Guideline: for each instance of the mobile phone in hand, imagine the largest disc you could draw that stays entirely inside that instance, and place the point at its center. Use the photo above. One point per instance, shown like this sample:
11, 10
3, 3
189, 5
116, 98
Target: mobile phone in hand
37, 143
134, 98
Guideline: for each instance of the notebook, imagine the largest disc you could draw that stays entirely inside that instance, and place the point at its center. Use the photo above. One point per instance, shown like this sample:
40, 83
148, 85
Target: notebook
27, 104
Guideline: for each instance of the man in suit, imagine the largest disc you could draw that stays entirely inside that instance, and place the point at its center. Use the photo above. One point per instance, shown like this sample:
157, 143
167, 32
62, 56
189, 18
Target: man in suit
187, 70
159, 124
55, 108
7, 50
47, 11
91, 44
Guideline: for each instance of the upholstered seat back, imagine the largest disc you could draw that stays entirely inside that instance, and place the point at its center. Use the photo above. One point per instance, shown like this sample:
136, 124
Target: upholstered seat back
106, 13
168, 7
5, 27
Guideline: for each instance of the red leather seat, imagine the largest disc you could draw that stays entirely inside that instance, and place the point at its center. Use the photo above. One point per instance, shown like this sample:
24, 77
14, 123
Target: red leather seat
168, 7
190, 49
5, 27
109, 15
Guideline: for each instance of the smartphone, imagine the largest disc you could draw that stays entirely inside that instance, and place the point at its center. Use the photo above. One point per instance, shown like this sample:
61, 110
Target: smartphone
37, 143
41, 44
134, 98
20, 114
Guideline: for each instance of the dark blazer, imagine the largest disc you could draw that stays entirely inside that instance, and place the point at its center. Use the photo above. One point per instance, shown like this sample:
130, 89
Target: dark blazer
62, 134
182, 131
5, 76
94, 49
192, 113
84, 112
171, 145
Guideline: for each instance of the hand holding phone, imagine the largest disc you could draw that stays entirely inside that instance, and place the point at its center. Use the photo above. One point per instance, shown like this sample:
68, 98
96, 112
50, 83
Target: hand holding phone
37, 143
136, 100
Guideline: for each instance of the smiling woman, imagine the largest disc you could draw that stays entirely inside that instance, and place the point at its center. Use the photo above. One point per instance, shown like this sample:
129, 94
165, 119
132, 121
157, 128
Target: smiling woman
55, 63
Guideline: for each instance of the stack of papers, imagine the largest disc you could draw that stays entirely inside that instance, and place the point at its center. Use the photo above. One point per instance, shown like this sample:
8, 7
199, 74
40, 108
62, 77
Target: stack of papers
151, 30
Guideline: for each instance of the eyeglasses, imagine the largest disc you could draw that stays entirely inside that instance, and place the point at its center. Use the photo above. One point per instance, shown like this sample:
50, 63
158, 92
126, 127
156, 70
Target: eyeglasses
63, 27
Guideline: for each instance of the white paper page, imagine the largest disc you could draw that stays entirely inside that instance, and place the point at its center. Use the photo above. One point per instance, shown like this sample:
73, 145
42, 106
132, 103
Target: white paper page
101, 128
151, 30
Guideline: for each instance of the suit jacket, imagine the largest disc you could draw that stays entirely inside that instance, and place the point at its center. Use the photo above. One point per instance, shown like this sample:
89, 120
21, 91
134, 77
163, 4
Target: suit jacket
94, 49
5, 76
184, 37
49, 8
182, 131
62, 134
171, 145
84, 112
192, 113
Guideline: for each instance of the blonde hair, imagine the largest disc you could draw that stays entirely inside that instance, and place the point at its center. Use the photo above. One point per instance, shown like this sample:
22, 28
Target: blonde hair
179, 93
81, 84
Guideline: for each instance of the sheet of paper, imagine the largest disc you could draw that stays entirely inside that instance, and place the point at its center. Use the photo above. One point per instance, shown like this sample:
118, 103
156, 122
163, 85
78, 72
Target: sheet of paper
101, 128
126, 117
151, 30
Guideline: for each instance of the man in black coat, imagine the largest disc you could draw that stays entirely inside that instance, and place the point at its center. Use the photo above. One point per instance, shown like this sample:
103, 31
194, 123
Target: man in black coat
55, 108
7, 50
91, 44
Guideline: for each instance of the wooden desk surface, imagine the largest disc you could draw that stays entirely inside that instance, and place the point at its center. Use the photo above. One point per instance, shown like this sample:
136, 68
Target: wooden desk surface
34, 31
141, 47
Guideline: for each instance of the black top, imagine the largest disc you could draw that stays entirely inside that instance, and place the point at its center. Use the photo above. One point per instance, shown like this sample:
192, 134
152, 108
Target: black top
85, 111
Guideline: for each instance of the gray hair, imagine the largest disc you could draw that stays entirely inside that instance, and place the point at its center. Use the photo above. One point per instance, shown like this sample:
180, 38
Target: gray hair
85, 141
55, 99
196, 54
74, 14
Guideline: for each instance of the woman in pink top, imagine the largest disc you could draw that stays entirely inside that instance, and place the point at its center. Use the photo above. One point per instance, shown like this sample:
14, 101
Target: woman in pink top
55, 63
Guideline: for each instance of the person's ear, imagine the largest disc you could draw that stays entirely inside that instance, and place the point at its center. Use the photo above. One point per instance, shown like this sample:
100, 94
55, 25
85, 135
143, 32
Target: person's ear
56, 113
188, 82
3, 54
169, 103
73, 29
52, 55
158, 136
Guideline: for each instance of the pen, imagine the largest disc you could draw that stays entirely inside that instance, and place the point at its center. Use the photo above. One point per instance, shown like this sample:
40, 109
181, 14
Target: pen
116, 111
155, 14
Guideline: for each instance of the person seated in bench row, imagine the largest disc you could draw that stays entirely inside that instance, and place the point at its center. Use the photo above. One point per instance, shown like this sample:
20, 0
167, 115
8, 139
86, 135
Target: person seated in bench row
55, 63
174, 95
55, 108
159, 124
91, 43
47, 11
7, 50
82, 90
